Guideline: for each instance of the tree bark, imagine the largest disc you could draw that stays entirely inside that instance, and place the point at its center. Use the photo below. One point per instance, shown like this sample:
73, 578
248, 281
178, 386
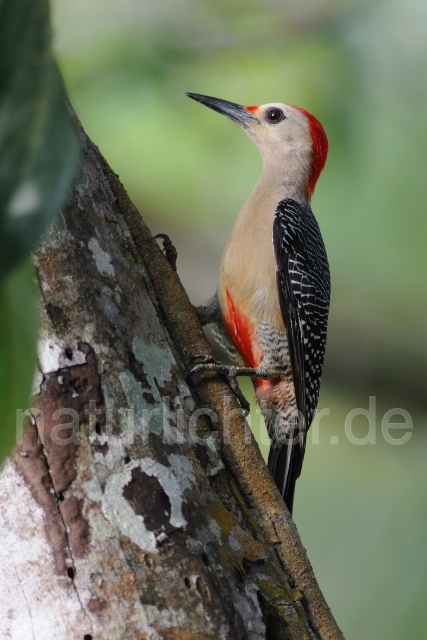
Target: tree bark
137, 505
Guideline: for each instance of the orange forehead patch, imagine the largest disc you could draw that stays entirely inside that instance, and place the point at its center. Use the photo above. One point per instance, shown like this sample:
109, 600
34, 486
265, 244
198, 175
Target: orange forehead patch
253, 107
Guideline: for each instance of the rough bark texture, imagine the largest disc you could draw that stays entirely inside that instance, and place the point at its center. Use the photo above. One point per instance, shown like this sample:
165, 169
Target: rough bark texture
126, 512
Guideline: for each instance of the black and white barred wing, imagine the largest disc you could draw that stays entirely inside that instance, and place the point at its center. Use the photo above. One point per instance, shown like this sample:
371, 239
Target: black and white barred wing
303, 284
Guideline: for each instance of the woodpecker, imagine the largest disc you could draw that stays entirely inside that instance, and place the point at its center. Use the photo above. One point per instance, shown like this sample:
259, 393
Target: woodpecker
272, 302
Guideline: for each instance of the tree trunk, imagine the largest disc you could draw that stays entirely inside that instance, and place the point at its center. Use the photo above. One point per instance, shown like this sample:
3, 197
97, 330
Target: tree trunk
137, 505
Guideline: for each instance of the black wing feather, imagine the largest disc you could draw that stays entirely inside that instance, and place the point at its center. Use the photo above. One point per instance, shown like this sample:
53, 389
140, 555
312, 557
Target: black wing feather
303, 285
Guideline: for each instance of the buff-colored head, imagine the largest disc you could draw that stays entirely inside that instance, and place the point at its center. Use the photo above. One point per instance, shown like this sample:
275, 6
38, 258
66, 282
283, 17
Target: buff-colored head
288, 137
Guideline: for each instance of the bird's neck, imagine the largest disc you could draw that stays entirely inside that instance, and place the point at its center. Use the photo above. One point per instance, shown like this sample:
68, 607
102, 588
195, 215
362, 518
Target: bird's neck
273, 186
295, 189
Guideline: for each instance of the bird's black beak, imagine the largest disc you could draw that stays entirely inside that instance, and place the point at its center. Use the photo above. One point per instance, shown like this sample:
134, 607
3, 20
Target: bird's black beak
234, 111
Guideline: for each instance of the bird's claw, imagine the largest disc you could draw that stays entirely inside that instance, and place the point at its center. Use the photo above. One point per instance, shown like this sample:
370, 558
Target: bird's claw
209, 363
204, 358
203, 362
239, 394
169, 249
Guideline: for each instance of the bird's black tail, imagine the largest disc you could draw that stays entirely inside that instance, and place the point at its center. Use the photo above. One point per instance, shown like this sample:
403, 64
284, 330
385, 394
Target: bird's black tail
284, 463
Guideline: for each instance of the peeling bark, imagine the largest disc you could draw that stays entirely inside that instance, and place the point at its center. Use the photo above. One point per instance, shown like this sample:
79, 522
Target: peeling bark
136, 506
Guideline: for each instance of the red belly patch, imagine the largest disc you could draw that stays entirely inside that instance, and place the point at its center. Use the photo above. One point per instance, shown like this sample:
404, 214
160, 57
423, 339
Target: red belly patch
242, 333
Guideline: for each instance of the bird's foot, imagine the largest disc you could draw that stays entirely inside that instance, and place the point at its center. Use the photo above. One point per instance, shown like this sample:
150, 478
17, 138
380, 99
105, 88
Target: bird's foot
208, 363
168, 249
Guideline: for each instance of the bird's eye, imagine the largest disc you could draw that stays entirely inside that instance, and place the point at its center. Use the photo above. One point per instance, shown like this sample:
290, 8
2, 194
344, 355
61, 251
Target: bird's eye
274, 115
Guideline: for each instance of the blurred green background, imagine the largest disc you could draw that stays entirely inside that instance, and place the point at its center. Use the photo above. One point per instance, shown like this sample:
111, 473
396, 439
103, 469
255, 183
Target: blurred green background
360, 68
